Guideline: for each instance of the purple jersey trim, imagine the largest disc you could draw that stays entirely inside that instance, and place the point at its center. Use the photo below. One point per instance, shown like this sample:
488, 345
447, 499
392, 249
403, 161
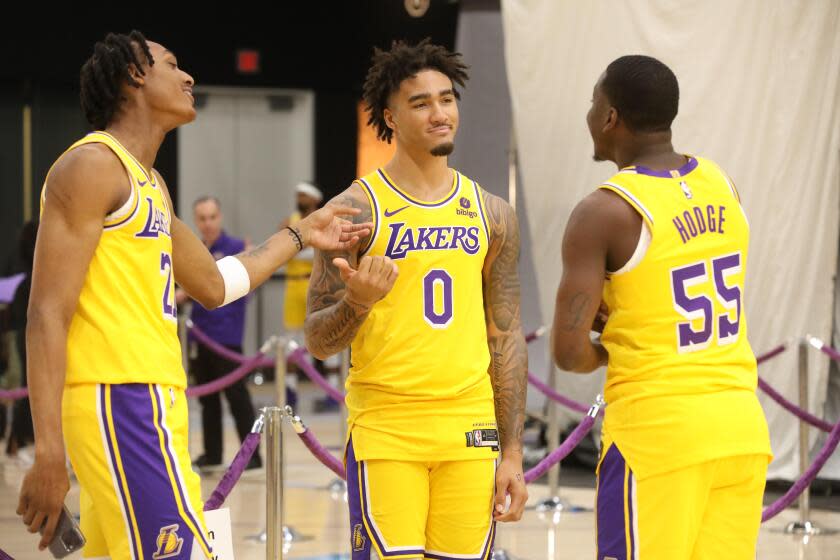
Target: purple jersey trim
418, 202
376, 221
130, 155
687, 168
480, 202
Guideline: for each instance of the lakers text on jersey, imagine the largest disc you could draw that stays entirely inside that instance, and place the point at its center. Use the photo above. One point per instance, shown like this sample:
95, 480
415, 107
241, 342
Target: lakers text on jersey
681, 377
418, 387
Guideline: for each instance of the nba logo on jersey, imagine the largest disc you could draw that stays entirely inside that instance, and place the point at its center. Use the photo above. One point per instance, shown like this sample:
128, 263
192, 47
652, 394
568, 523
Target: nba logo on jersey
359, 538
168, 543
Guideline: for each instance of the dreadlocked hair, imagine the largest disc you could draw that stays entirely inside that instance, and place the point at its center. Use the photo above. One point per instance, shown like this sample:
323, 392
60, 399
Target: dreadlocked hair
105, 71
403, 61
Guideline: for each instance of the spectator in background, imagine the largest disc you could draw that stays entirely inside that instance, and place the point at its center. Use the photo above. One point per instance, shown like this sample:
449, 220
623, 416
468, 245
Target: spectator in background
298, 270
21, 433
226, 326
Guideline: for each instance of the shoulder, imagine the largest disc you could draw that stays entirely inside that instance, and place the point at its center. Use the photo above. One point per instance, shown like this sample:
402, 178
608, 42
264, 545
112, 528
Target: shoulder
603, 214
354, 196
501, 217
88, 174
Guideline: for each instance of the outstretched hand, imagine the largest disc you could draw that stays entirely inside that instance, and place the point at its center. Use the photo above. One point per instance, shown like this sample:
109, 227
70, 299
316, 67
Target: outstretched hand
327, 230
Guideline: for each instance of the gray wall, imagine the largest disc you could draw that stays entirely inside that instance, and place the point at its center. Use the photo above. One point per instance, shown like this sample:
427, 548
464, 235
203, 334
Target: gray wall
249, 148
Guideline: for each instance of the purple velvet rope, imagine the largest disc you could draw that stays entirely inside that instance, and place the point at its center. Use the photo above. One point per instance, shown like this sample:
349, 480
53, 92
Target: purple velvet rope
223, 351
231, 477
296, 357
561, 452
14, 394
319, 451
555, 396
808, 477
771, 354
830, 352
227, 380
803, 415
4, 556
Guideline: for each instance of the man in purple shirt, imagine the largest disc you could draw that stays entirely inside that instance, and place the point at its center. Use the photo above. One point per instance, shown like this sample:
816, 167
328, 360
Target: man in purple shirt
225, 325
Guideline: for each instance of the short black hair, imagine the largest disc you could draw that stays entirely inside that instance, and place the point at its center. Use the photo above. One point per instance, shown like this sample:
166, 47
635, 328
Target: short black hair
402, 61
644, 91
105, 71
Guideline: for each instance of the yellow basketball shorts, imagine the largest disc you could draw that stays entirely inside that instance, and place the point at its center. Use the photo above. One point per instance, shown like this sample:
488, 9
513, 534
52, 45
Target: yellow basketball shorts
707, 511
415, 509
140, 499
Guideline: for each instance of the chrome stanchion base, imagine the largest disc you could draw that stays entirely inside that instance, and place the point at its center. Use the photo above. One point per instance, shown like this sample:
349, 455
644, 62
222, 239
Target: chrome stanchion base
807, 528
502, 554
337, 486
290, 535
558, 504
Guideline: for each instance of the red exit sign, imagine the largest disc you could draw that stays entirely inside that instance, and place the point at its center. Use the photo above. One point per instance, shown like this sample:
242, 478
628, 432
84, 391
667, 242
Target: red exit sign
248, 61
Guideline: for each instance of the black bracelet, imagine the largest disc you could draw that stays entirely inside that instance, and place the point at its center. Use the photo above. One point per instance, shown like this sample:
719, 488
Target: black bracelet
296, 234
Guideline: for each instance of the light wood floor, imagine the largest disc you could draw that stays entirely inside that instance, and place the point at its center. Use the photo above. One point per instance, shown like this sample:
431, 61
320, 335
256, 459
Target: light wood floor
321, 517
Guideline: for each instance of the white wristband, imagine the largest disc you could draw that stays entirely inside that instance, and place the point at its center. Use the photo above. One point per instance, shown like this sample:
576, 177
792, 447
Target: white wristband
235, 276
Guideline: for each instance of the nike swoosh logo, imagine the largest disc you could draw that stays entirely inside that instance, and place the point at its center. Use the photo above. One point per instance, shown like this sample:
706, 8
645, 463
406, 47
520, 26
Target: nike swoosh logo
141, 183
398, 210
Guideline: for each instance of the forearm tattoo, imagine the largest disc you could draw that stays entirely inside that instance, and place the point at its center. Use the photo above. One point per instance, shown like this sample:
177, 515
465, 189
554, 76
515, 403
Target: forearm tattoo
331, 322
508, 351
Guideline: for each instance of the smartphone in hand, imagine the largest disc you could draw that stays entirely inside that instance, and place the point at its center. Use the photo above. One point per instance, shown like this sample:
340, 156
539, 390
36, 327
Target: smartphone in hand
68, 538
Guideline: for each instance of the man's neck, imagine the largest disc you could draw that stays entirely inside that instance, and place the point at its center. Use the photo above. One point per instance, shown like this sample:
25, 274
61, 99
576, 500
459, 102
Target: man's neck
423, 176
210, 241
653, 150
139, 135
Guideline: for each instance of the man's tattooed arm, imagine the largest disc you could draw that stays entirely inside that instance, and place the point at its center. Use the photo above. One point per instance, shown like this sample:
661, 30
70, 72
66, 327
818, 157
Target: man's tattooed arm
508, 352
332, 321
597, 219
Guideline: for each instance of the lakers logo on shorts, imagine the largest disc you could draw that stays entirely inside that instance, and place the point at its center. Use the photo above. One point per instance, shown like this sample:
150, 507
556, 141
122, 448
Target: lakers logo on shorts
168, 543
359, 538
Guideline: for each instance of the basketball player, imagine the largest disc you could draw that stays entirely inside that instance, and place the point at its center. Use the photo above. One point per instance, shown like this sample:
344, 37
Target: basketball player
430, 307
101, 340
664, 242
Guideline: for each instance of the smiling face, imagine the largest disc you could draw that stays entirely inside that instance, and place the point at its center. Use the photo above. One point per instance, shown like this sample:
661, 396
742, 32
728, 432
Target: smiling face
165, 88
423, 113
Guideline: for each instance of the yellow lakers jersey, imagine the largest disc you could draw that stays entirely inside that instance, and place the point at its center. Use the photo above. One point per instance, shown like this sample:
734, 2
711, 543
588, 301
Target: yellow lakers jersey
419, 387
681, 377
124, 329
298, 271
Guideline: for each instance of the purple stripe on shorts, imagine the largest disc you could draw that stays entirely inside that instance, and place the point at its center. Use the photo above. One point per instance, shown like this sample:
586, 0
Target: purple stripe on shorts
113, 458
179, 483
359, 537
153, 498
630, 496
357, 500
610, 504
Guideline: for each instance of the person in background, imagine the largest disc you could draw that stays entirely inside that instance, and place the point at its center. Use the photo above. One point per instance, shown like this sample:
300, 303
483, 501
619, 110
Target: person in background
21, 433
225, 325
298, 270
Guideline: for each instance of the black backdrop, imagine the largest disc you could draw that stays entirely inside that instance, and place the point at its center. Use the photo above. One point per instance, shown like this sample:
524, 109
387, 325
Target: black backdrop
323, 45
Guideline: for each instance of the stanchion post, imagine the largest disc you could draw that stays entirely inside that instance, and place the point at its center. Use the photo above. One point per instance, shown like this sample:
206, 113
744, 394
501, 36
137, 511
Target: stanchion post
804, 443
804, 525
274, 483
280, 369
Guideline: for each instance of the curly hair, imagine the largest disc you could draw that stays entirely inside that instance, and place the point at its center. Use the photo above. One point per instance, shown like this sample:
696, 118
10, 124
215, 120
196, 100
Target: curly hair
403, 61
106, 70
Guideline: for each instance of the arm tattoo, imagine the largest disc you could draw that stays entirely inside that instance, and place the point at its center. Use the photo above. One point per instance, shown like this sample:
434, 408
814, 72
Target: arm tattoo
508, 351
577, 307
331, 322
